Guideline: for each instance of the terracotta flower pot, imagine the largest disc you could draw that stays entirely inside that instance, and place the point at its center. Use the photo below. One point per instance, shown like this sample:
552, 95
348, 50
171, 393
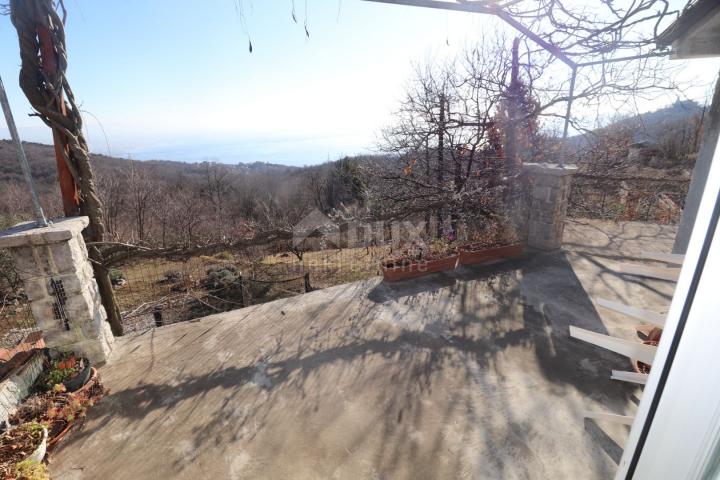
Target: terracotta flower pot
61, 431
404, 268
641, 367
79, 380
68, 426
473, 253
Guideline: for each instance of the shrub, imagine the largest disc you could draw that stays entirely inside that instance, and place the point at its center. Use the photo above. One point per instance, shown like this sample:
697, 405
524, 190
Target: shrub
227, 256
117, 277
31, 470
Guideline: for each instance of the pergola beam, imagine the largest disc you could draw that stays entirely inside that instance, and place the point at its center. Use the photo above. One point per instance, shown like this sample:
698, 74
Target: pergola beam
632, 350
439, 4
490, 7
486, 9
632, 377
634, 312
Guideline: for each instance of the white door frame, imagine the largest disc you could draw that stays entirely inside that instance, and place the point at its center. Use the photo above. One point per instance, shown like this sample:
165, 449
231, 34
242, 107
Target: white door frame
677, 427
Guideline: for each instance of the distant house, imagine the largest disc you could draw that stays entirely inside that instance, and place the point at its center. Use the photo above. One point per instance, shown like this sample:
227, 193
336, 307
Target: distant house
643, 149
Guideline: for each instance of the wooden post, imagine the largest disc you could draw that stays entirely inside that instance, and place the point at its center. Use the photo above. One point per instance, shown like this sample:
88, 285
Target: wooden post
158, 316
68, 186
306, 278
242, 292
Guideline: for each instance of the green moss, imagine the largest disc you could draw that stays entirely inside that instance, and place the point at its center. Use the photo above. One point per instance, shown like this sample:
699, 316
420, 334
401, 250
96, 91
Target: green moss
31, 470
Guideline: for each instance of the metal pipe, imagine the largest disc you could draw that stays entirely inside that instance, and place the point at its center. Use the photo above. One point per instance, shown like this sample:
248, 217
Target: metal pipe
624, 59
571, 95
40, 220
487, 9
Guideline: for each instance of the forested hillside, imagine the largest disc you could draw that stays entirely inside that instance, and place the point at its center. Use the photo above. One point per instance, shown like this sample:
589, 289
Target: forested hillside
160, 201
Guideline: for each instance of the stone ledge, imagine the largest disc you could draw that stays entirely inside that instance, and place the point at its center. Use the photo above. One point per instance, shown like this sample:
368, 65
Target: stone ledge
25, 234
17, 385
553, 169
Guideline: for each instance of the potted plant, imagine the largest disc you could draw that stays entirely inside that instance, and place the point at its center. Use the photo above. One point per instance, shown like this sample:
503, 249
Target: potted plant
22, 450
421, 259
484, 247
70, 371
67, 409
57, 409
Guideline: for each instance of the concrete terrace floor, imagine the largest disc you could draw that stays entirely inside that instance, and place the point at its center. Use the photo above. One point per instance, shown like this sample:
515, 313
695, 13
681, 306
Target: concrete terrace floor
469, 374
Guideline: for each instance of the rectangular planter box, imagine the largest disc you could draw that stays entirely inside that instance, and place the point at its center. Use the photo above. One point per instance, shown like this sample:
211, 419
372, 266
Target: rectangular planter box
403, 269
471, 256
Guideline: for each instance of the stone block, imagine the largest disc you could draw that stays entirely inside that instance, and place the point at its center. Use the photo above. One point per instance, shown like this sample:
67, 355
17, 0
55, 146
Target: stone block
96, 350
56, 336
37, 288
26, 233
28, 263
83, 306
43, 312
68, 256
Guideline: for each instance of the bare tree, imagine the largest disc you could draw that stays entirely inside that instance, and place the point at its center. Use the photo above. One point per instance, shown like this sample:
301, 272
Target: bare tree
447, 140
605, 53
141, 194
112, 191
216, 188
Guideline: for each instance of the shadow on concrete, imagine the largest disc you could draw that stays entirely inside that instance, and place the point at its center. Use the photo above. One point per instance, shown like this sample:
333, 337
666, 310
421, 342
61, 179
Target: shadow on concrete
419, 354
609, 445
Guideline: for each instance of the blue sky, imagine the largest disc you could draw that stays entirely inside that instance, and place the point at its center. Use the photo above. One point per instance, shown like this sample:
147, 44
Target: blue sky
173, 79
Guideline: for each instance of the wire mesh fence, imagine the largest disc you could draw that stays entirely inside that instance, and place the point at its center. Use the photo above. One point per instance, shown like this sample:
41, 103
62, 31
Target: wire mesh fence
647, 199
18, 329
159, 291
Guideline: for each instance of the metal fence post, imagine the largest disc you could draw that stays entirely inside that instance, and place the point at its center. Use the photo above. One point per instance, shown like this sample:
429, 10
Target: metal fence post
242, 292
39, 215
158, 315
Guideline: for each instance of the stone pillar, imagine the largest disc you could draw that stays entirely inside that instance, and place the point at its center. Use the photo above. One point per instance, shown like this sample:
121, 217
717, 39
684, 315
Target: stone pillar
549, 192
53, 264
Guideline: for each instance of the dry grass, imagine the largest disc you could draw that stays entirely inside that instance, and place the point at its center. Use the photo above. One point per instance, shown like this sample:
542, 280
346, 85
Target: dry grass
335, 267
145, 279
147, 285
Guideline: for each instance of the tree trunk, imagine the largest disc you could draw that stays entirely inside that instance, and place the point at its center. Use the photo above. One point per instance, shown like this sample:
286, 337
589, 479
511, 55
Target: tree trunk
428, 213
511, 160
440, 161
